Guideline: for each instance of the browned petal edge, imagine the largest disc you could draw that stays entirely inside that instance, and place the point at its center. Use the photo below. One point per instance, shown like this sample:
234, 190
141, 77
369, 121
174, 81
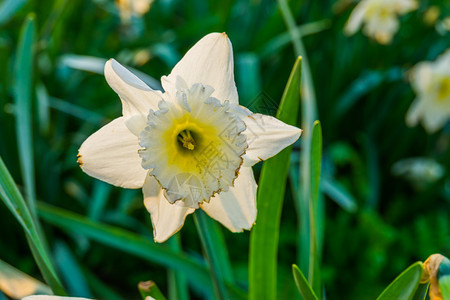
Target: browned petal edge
431, 268
79, 160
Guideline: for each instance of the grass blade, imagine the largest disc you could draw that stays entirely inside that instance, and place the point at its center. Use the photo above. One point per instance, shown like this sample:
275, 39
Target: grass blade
272, 184
70, 271
315, 163
309, 114
12, 198
212, 253
128, 242
23, 76
302, 284
339, 194
9, 8
405, 285
177, 284
150, 289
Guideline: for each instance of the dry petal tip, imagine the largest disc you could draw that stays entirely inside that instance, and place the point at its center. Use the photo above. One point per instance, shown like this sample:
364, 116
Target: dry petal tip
79, 160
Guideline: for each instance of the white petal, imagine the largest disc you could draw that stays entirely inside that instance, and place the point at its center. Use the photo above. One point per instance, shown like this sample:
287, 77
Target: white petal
167, 218
356, 18
209, 62
47, 297
434, 118
415, 112
111, 155
236, 208
266, 136
137, 98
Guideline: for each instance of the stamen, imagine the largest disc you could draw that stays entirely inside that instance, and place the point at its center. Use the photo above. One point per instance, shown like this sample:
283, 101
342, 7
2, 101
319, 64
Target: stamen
186, 139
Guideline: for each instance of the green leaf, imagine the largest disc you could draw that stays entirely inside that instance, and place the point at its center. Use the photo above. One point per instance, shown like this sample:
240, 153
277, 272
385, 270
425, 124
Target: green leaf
248, 78
315, 163
215, 251
302, 284
70, 271
14, 201
150, 289
339, 194
421, 292
97, 65
8, 9
309, 115
17, 284
405, 285
129, 242
23, 81
272, 184
176, 280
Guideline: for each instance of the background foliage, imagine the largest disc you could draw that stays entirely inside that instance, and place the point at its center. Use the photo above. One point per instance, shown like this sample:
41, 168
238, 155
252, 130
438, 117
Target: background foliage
373, 224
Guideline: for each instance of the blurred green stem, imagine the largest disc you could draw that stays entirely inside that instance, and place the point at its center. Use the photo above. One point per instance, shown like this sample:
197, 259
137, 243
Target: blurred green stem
201, 223
309, 114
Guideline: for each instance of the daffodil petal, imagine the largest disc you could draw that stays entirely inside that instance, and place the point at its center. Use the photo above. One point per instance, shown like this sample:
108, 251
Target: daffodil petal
356, 18
266, 136
167, 218
209, 62
236, 208
111, 155
137, 98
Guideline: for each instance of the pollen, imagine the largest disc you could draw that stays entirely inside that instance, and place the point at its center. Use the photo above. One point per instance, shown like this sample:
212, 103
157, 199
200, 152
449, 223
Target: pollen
186, 139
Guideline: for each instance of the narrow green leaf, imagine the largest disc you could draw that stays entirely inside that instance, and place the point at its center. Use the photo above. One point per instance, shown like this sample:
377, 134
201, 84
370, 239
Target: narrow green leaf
17, 284
75, 110
405, 285
129, 242
99, 198
272, 184
212, 253
97, 65
12, 198
177, 284
23, 81
9, 8
309, 114
70, 271
276, 44
315, 164
421, 292
248, 78
302, 284
43, 108
150, 289
339, 194
99, 288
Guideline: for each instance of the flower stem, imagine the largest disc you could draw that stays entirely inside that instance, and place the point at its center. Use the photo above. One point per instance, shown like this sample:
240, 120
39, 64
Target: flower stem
201, 223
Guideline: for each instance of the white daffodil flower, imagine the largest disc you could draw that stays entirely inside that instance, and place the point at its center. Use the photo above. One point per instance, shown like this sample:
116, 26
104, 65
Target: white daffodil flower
190, 147
380, 18
129, 8
431, 82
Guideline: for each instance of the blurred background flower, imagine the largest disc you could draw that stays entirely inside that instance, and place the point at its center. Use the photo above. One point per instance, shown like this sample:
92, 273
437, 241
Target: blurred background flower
431, 82
379, 19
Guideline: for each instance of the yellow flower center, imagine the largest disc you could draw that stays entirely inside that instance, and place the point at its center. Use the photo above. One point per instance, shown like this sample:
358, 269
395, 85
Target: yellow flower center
444, 89
193, 146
